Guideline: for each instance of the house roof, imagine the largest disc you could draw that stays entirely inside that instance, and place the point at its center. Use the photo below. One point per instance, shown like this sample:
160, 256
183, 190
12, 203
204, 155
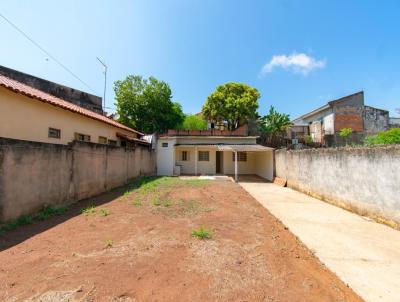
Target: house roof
231, 147
44, 97
133, 139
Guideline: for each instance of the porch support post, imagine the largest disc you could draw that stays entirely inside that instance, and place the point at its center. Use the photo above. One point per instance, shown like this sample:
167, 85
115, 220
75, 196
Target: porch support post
195, 160
236, 167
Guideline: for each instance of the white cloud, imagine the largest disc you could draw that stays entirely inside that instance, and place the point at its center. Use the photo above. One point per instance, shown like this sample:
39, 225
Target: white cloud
296, 62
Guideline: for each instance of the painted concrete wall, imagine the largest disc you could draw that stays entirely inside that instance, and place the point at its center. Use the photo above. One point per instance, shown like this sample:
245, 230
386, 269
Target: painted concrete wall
366, 180
264, 164
29, 119
34, 174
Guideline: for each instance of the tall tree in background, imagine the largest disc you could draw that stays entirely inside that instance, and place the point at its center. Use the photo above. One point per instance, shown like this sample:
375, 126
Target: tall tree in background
273, 127
234, 103
146, 104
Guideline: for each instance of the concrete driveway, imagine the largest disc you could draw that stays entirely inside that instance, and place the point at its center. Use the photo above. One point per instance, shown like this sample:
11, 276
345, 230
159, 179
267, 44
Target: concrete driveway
364, 254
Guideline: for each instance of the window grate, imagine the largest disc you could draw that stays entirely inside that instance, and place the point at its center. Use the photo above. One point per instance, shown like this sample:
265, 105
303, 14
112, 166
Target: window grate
241, 156
204, 156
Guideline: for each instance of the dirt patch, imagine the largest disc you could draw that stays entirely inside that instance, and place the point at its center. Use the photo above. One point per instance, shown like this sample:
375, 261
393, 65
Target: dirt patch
144, 251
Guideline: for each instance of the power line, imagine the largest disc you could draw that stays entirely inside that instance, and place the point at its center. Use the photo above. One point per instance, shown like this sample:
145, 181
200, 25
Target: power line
46, 52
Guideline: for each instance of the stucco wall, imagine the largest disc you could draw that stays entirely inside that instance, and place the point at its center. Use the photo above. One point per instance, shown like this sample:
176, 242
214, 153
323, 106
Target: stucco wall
29, 119
366, 180
34, 174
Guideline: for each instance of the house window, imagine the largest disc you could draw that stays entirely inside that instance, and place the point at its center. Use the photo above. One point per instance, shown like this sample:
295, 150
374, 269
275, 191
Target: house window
165, 145
112, 142
241, 156
184, 156
82, 137
102, 140
54, 133
204, 156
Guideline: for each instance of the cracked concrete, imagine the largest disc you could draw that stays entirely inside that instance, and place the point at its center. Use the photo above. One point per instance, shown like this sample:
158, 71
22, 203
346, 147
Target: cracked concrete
364, 254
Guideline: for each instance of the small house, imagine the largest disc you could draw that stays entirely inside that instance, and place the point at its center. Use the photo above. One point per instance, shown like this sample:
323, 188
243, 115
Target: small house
213, 152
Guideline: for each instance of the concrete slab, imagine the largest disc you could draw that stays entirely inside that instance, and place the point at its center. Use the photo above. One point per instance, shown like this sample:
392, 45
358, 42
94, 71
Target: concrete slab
364, 254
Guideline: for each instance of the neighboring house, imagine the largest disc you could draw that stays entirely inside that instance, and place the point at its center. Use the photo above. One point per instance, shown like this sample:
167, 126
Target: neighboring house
213, 152
29, 113
324, 124
394, 122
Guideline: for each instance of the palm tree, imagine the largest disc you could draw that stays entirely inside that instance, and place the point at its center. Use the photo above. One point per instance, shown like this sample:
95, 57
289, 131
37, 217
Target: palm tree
273, 127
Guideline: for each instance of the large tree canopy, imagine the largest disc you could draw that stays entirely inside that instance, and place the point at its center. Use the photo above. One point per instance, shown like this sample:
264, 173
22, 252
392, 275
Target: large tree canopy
234, 103
146, 105
193, 122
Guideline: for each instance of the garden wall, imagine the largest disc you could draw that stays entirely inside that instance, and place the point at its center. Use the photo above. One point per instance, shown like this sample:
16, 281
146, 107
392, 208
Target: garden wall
364, 179
33, 175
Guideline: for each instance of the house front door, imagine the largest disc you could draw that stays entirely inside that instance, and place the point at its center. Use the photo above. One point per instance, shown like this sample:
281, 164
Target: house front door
219, 162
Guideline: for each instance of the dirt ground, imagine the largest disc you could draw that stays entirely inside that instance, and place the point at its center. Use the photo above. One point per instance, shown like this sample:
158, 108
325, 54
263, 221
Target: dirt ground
136, 245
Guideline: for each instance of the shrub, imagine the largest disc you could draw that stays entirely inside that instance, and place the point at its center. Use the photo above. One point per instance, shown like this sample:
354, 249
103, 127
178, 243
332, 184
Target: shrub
388, 137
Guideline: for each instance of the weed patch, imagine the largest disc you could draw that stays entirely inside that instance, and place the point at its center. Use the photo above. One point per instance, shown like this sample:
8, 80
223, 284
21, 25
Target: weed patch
49, 211
202, 233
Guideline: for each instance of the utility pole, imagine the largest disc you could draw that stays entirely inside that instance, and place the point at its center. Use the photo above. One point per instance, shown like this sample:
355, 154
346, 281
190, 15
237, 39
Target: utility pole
105, 84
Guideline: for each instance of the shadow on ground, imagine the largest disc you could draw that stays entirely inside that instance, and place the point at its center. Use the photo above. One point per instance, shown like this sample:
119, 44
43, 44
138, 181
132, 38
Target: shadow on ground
24, 232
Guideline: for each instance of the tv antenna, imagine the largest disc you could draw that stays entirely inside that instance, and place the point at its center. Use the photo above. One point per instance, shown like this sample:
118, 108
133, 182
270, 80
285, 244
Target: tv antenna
105, 83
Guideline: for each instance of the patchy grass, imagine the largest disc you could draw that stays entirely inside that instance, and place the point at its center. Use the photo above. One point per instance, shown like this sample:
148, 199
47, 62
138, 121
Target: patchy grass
89, 210
146, 185
15, 223
49, 211
104, 212
137, 202
43, 214
202, 233
182, 208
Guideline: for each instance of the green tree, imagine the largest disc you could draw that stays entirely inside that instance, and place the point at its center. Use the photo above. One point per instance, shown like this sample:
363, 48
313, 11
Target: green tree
234, 103
273, 126
146, 105
345, 133
193, 122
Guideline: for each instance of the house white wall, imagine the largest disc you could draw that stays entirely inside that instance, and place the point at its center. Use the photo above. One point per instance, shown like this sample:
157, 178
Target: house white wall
264, 166
166, 156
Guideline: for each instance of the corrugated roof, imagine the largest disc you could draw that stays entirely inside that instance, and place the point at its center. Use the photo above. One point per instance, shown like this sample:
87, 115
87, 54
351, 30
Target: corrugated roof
44, 97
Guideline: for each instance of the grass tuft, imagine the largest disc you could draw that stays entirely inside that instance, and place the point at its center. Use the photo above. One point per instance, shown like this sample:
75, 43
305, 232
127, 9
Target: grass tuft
137, 202
167, 203
202, 233
109, 243
104, 212
89, 210
156, 201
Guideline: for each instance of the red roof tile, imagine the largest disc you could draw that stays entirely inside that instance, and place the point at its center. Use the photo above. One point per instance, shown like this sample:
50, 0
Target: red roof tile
31, 92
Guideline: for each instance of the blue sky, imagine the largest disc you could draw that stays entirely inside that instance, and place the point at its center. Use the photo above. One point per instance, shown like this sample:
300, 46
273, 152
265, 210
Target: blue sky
316, 50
